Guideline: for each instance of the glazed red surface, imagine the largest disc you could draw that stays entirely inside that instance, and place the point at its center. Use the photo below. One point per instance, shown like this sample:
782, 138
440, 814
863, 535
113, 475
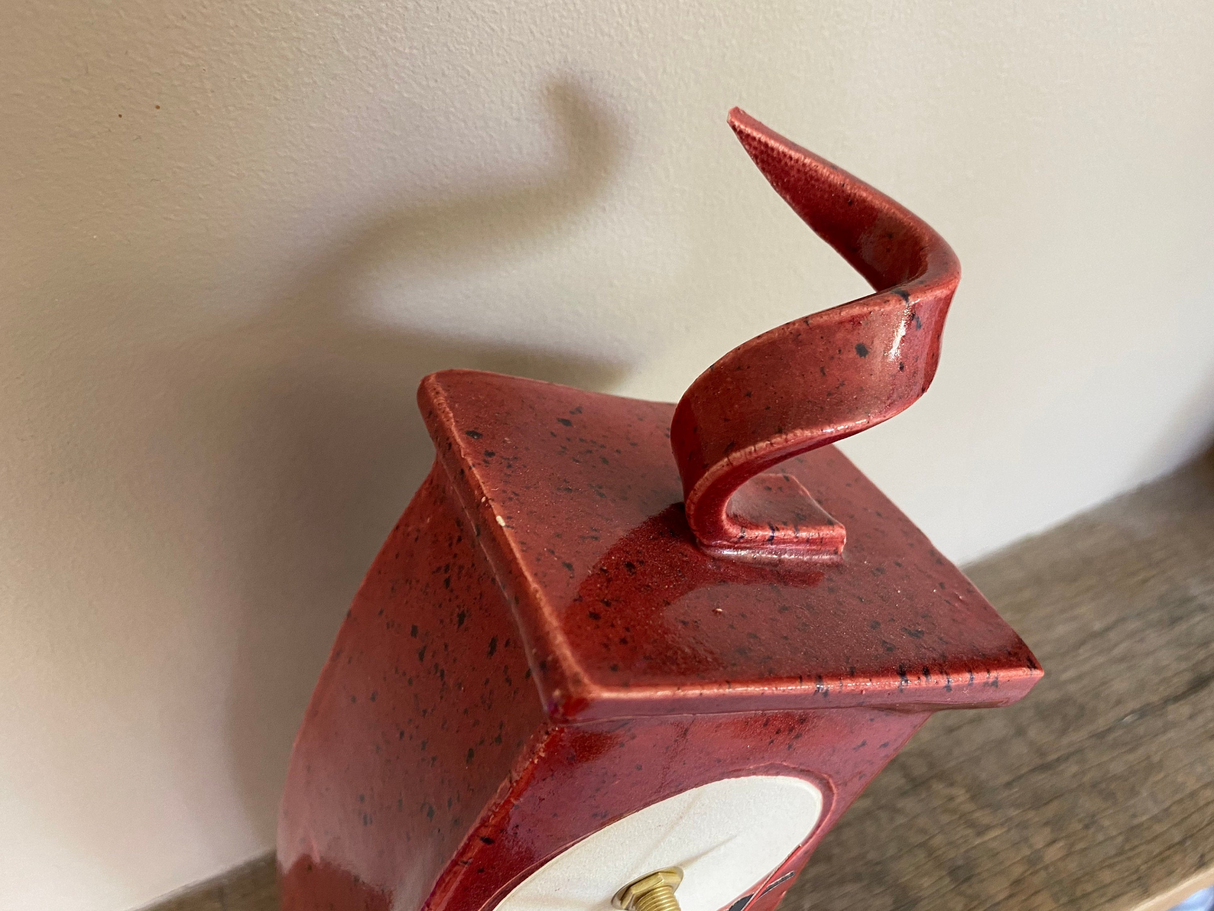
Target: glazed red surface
541, 648
427, 774
423, 707
582, 777
545, 644
578, 506
821, 378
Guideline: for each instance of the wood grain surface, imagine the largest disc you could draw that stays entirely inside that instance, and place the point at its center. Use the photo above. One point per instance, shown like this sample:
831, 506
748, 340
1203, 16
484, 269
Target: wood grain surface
250, 887
1095, 792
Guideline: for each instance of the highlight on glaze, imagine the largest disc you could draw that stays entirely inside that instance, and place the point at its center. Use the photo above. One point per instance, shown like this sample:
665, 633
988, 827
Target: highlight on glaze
542, 649
818, 379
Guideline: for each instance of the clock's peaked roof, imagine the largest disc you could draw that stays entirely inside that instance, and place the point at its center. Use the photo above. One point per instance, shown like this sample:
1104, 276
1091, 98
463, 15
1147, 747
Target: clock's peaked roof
577, 502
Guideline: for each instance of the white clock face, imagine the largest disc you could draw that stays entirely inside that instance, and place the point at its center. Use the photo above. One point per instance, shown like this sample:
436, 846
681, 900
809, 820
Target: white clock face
726, 836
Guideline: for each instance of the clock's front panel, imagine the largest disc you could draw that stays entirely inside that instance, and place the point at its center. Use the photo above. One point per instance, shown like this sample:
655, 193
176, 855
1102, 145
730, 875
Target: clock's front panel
735, 802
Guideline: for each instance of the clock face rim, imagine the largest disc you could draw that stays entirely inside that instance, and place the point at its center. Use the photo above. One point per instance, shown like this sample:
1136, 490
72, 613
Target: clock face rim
681, 829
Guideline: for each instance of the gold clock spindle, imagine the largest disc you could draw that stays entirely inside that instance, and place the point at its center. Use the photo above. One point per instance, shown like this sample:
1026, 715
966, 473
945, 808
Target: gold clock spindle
653, 892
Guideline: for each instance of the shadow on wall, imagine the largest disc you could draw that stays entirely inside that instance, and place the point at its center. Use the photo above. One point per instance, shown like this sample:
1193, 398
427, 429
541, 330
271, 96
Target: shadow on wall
1189, 434
321, 414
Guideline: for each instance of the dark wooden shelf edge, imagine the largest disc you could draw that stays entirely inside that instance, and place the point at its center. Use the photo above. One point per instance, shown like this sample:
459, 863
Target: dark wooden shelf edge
1096, 793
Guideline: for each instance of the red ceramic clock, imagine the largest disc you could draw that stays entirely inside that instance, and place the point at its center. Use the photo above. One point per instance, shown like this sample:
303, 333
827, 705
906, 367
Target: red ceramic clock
614, 640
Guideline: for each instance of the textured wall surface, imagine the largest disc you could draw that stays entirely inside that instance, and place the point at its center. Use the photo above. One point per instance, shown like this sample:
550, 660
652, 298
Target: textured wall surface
234, 236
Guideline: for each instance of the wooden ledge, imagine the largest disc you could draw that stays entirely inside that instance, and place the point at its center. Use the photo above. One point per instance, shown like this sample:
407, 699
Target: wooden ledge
1095, 792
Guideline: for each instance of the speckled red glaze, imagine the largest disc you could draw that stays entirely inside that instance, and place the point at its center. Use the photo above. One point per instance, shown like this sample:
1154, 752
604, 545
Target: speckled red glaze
817, 379
543, 646
576, 504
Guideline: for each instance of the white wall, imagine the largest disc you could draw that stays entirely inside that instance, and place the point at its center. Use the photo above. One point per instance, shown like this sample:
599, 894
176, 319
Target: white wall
234, 235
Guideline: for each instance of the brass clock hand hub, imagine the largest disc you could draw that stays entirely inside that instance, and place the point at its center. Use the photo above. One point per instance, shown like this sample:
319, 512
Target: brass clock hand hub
653, 892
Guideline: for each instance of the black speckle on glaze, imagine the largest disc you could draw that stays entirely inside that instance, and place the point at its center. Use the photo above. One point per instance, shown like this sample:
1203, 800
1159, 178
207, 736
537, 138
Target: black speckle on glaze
595, 522
426, 747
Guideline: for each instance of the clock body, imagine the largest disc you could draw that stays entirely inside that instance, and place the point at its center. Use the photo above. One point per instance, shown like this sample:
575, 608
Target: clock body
541, 650
610, 637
